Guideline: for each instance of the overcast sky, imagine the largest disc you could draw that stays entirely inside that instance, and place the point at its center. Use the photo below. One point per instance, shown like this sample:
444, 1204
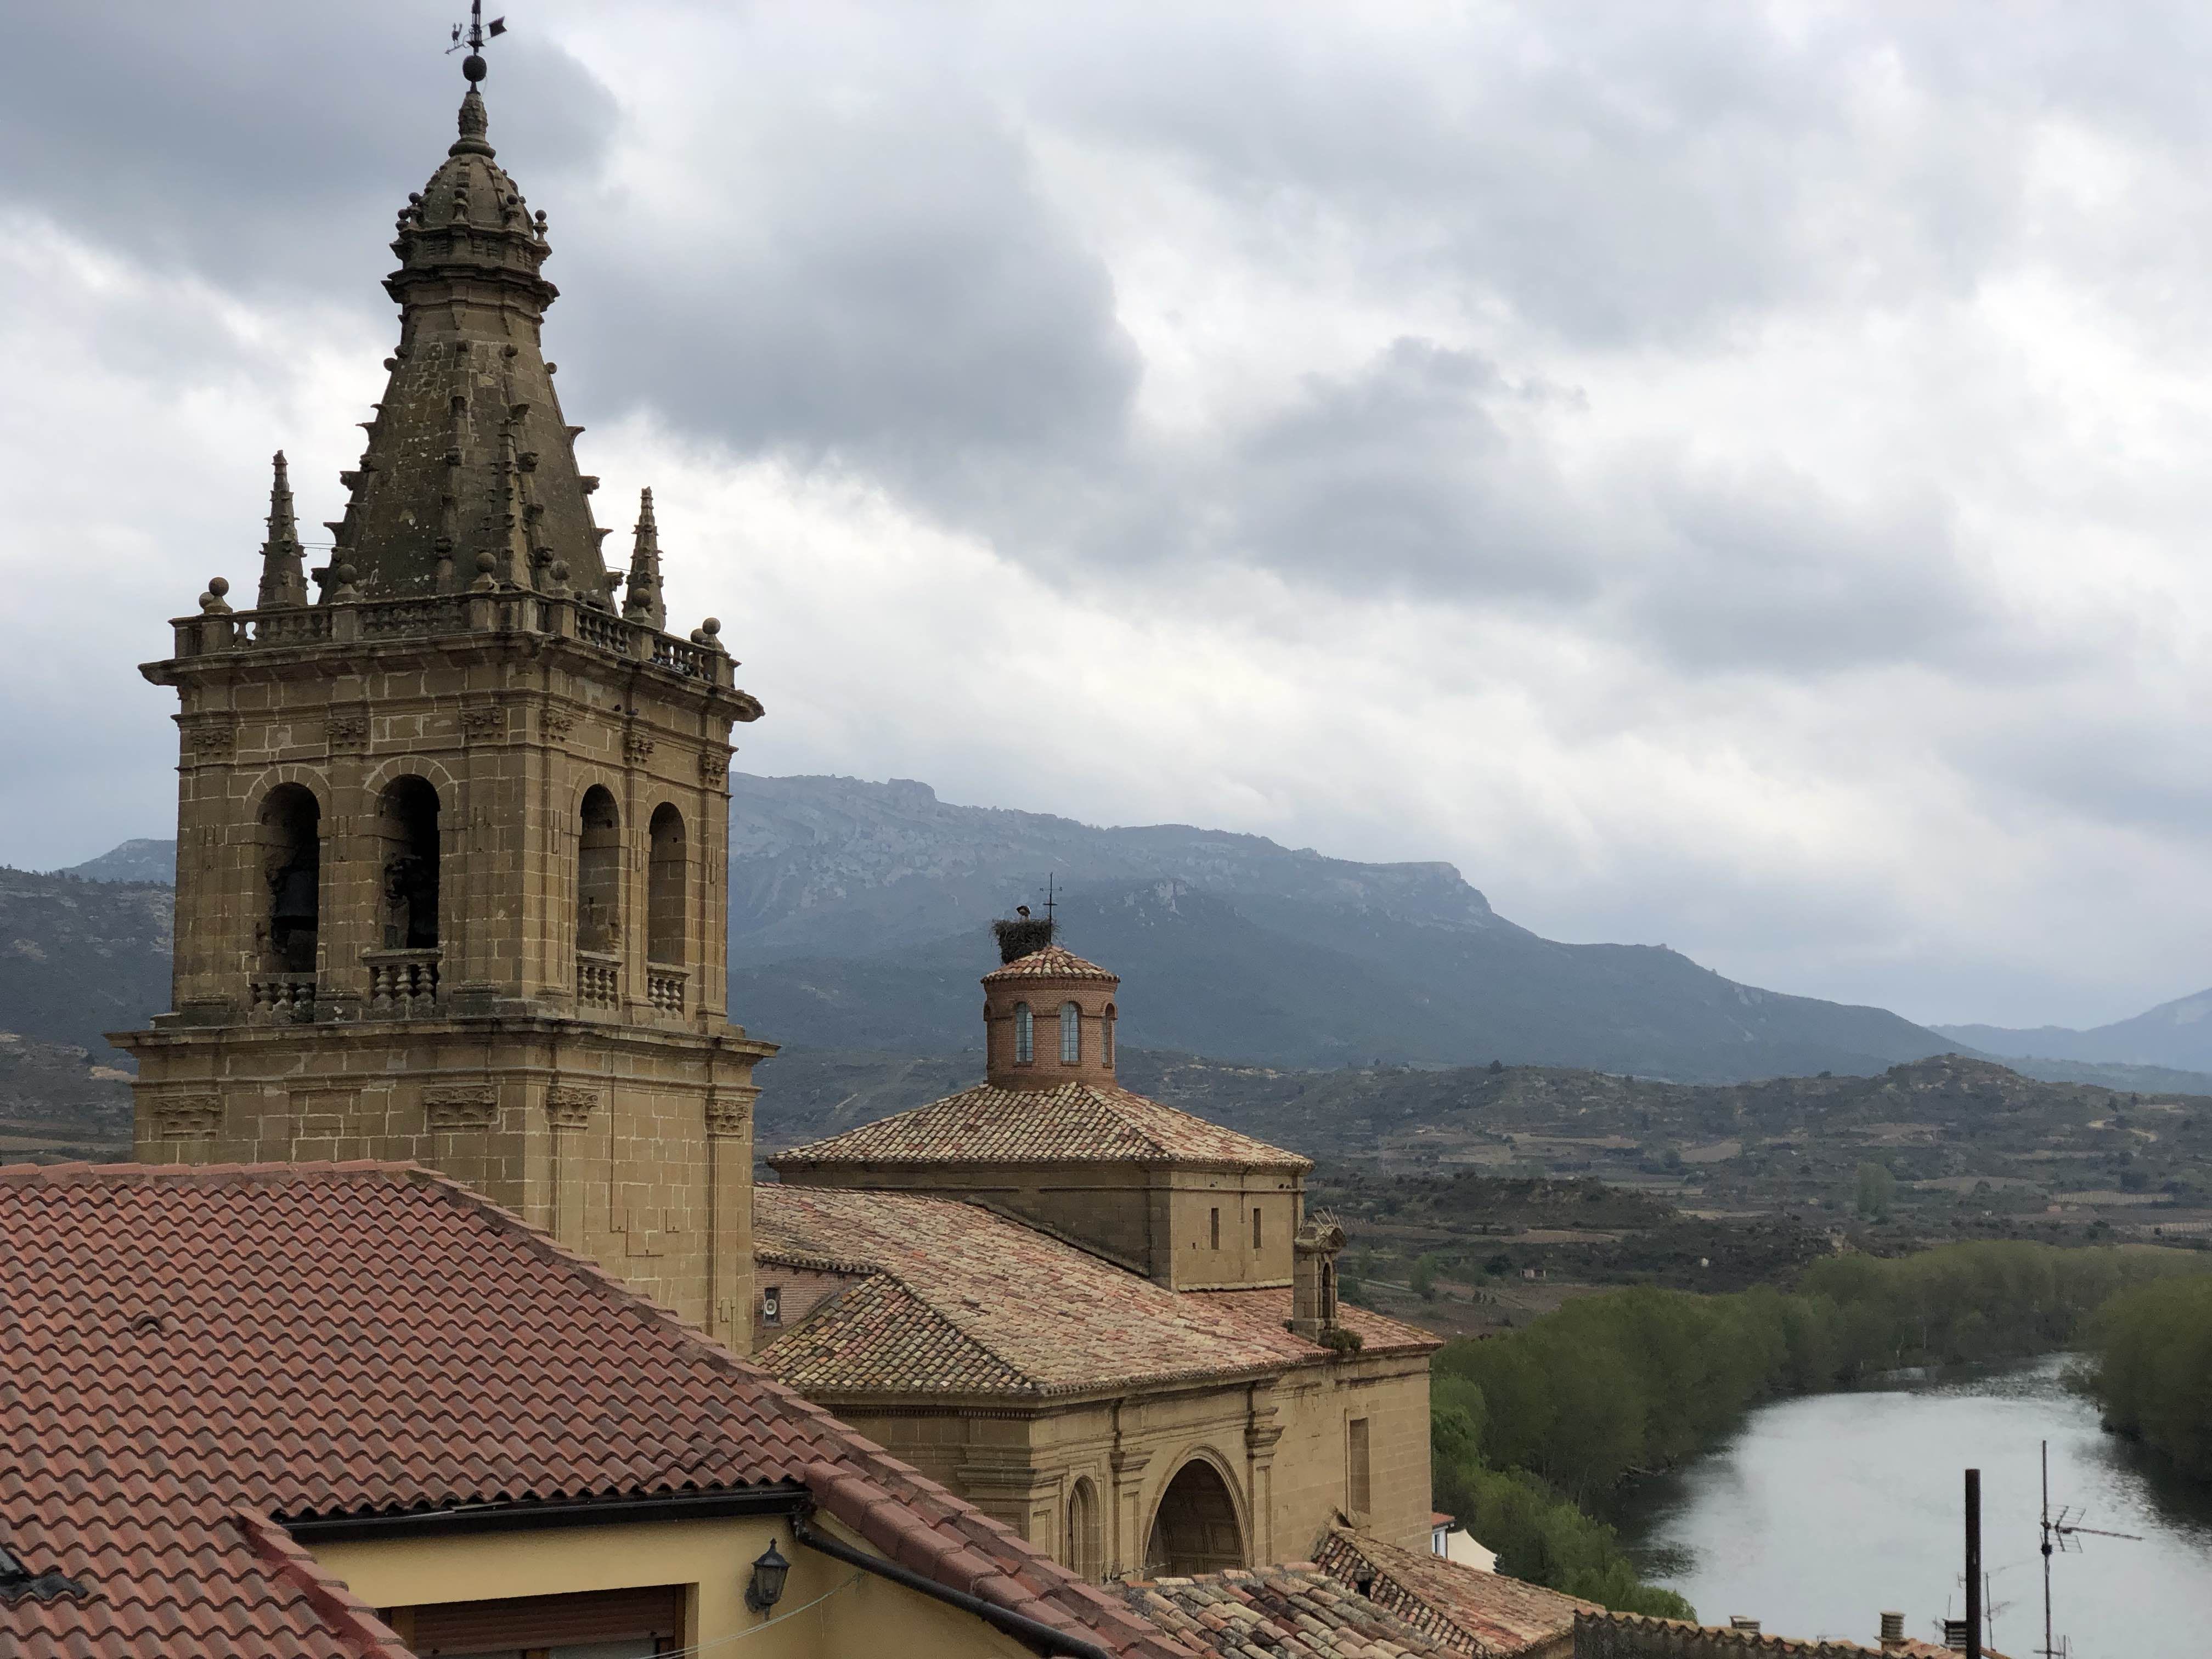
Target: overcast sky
1727, 475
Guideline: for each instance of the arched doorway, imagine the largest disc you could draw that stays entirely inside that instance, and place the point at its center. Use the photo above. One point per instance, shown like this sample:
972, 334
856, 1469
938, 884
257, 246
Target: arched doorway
1194, 1530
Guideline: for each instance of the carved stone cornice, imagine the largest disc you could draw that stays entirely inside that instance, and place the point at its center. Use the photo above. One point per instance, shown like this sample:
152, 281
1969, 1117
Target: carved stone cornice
475, 1107
188, 1117
730, 1112
346, 732
211, 739
569, 1107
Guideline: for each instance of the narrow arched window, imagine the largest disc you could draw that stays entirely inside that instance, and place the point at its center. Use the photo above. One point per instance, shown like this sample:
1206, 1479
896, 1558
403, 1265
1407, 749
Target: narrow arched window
664, 903
292, 863
1106, 1038
1070, 1034
599, 874
407, 825
1025, 1035
1083, 1551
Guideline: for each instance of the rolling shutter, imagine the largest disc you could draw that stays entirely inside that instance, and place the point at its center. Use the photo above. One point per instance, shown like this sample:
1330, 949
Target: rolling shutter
546, 1621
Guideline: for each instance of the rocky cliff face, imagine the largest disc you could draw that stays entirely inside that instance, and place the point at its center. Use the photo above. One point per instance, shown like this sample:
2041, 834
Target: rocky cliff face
832, 866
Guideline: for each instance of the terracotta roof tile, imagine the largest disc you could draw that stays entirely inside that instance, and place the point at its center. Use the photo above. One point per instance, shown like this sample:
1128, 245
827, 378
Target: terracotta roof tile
1074, 1123
950, 1298
1051, 962
1499, 1614
1291, 1611
1632, 1632
193, 1352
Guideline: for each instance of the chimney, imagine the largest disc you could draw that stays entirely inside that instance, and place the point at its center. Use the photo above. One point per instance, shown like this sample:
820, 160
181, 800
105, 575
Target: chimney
1313, 1276
1893, 1632
1742, 1625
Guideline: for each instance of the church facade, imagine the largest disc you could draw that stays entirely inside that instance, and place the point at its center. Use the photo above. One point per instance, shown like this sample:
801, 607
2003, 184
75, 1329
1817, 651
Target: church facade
1106, 1321
450, 889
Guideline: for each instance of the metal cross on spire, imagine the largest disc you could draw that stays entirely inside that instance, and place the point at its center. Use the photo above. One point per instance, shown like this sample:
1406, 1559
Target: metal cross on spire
473, 65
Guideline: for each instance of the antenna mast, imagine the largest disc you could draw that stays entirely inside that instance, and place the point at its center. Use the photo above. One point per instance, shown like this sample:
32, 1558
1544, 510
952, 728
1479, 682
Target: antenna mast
2058, 1536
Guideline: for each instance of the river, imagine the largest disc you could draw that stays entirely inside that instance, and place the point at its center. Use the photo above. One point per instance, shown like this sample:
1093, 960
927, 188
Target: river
1822, 1512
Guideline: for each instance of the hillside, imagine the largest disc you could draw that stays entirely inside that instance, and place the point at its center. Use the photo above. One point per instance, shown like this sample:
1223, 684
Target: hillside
2176, 1034
858, 921
79, 958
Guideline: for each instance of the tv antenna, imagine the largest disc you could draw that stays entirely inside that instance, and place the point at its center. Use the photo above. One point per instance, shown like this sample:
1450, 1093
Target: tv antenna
2060, 1530
479, 32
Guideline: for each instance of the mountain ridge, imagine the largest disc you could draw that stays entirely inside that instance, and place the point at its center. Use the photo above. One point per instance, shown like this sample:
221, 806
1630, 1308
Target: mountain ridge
858, 920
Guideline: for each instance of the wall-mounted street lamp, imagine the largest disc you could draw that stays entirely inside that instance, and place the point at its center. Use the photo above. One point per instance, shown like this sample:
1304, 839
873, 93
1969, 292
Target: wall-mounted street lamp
765, 1589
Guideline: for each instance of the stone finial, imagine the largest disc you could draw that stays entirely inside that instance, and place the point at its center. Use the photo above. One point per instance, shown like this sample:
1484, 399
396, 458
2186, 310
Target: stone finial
212, 603
474, 124
644, 602
283, 571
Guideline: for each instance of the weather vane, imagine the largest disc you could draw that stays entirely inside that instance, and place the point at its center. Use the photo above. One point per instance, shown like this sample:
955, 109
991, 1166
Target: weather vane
472, 66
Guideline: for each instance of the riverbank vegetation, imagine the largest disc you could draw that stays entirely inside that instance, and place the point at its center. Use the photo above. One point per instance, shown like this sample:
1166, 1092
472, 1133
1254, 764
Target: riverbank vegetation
1534, 1429
2150, 1368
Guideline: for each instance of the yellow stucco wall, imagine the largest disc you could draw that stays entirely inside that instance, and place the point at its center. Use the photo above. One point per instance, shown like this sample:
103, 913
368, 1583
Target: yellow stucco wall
828, 1609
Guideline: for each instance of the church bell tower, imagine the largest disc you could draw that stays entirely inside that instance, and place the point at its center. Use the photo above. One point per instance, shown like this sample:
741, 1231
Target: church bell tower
451, 827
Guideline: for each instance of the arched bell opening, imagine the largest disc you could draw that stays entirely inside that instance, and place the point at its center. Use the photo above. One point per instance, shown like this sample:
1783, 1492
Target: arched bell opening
407, 826
1194, 1530
598, 874
292, 865
666, 871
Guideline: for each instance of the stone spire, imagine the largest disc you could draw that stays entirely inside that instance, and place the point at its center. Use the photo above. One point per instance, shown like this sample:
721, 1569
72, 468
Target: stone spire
284, 574
644, 602
468, 454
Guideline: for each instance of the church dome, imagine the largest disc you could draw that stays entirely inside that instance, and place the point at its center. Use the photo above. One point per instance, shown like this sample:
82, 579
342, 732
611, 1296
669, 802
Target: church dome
1054, 962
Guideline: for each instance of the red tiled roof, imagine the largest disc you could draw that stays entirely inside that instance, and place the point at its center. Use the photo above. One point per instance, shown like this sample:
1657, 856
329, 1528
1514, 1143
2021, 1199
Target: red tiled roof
195, 1354
1635, 1633
1292, 1612
1051, 962
957, 1300
1499, 1615
1074, 1123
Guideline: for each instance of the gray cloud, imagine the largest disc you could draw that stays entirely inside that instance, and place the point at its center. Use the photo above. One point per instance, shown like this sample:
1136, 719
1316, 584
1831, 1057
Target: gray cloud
1512, 272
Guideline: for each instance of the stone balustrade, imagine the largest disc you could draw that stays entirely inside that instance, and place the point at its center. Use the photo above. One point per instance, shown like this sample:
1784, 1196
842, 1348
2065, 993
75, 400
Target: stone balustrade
598, 980
402, 983
664, 987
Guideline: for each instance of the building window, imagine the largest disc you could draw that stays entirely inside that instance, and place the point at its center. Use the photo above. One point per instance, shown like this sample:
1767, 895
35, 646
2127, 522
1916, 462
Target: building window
1357, 1495
1214, 1226
1256, 1226
407, 824
1106, 1037
292, 862
598, 874
1082, 1530
772, 1305
1025, 1035
1070, 1034
665, 868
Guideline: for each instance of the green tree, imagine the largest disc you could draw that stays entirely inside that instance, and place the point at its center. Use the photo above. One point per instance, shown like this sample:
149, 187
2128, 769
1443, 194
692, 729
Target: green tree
1877, 1192
1424, 1277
